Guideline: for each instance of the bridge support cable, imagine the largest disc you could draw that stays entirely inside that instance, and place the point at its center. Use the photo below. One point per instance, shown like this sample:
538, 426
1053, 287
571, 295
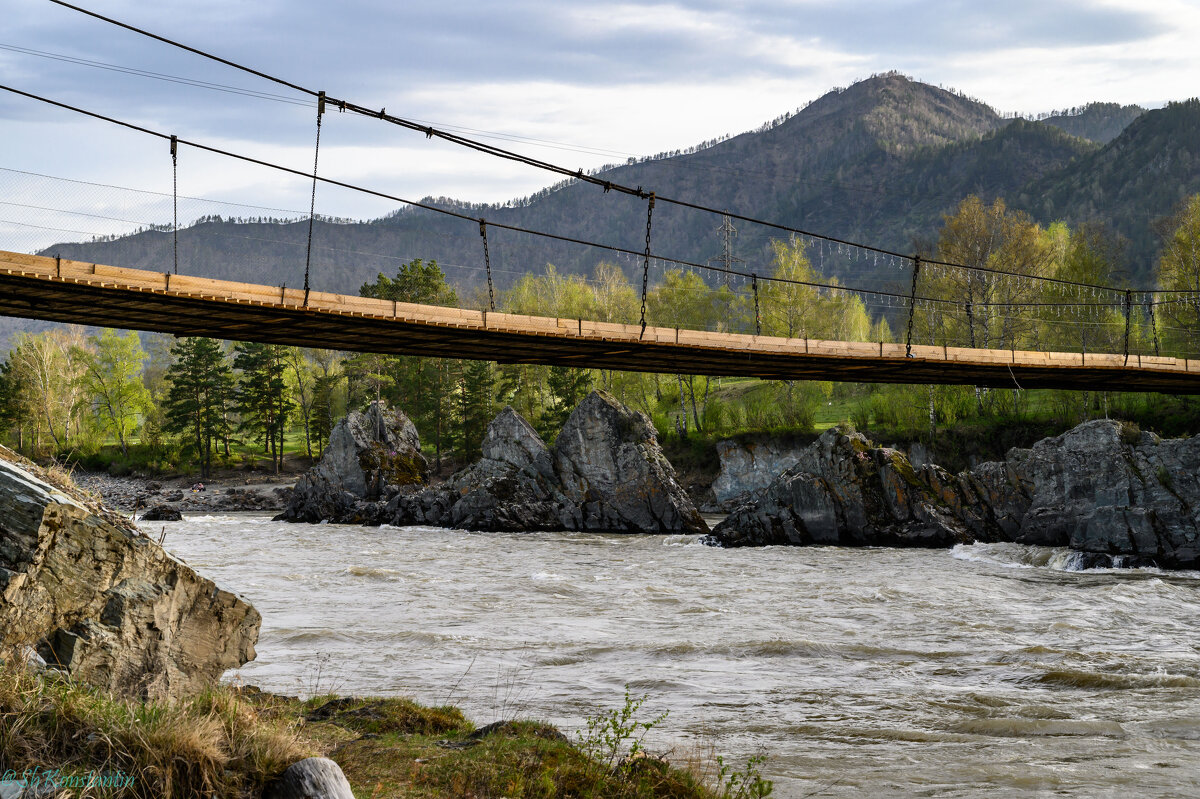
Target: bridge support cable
757, 315
575, 174
175, 197
312, 207
646, 260
912, 305
1153, 324
1128, 308
487, 264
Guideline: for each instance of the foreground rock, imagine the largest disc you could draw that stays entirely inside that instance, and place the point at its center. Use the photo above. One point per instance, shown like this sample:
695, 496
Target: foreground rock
844, 491
103, 602
371, 456
1104, 488
311, 778
605, 473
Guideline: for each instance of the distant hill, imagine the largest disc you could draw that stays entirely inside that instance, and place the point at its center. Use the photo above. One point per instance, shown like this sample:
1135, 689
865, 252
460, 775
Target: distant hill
1098, 122
880, 161
1137, 178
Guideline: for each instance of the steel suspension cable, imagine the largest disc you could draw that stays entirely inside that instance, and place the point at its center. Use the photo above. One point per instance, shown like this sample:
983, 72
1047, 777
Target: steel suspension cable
312, 207
487, 264
578, 174
175, 197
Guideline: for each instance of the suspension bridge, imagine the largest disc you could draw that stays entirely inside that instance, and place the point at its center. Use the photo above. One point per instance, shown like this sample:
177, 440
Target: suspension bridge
61, 290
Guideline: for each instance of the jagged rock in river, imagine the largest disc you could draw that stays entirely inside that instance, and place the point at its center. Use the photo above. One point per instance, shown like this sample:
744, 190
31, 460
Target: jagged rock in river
369, 458
511, 488
1118, 496
96, 598
1104, 487
845, 491
162, 513
748, 469
605, 473
615, 475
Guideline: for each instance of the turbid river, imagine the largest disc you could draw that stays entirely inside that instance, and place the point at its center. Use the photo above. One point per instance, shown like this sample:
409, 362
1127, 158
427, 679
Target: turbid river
987, 670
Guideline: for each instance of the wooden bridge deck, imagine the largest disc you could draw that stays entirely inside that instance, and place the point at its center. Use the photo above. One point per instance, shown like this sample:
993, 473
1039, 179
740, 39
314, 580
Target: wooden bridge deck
37, 287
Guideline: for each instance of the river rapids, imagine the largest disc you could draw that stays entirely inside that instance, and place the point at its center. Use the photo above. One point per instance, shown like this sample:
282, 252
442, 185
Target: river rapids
986, 670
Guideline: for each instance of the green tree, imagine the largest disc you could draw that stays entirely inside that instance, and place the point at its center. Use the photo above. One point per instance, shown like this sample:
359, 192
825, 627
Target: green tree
416, 282
16, 411
1179, 271
424, 388
568, 386
198, 399
112, 378
262, 395
477, 396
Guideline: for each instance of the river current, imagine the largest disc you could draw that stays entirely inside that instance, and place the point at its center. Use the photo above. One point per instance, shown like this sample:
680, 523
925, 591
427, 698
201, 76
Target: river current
987, 670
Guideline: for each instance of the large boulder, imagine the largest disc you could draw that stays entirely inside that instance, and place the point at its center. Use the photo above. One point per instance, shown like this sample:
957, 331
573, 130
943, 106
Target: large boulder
1104, 487
748, 469
845, 491
615, 475
605, 473
511, 488
370, 457
101, 601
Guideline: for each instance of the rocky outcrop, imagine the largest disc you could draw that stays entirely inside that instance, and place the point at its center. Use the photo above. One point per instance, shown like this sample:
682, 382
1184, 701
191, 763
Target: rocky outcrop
748, 469
512, 487
1104, 488
371, 457
162, 513
845, 491
614, 474
1116, 495
605, 473
105, 603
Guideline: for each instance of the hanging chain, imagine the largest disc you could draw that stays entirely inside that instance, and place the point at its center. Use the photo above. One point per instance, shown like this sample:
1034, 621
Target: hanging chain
487, 264
1128, 306
1153, 323
312, 207
646, 262
912, 305
175, 196
757, 316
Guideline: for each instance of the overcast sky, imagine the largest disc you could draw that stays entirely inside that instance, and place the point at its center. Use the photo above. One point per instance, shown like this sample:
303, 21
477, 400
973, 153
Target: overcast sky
582, 83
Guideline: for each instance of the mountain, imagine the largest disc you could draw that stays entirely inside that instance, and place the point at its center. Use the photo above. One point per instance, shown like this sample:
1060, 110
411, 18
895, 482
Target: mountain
1137, 178
880, 161
1098, 122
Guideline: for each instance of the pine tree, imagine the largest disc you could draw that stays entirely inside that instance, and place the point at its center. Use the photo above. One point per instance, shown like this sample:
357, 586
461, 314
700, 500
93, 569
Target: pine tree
262, 396
198, 400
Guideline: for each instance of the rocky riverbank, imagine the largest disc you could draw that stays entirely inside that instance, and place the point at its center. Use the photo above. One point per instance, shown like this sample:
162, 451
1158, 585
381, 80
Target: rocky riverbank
220, 495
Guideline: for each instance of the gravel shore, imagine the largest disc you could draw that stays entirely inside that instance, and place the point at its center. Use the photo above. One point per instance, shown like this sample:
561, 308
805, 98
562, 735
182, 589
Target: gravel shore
256, 492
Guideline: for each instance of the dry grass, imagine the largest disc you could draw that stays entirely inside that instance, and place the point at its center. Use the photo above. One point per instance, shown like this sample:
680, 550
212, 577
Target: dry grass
217, 744
230, 742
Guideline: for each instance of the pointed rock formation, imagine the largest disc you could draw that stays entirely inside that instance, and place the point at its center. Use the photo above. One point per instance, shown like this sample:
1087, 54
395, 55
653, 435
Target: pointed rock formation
369, 458
108, 605
605, 473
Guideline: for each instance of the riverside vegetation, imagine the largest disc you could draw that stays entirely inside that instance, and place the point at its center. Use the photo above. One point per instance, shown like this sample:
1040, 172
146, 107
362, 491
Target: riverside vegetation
111, 401
233, 741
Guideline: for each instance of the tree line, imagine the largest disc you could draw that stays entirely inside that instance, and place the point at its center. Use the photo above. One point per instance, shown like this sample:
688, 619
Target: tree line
209, 403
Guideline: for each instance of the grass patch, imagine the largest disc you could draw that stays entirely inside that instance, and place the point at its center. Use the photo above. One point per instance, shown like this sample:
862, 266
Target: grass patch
233, 741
